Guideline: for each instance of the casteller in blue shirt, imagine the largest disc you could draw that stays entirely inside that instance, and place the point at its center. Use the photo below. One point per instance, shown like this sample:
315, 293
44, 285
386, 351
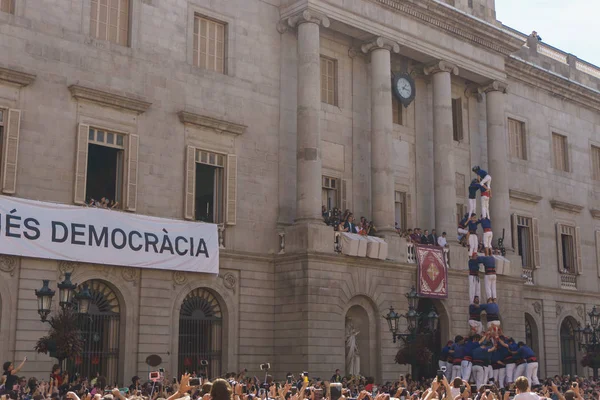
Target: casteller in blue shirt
489, 263
492, 311
473, 267
525, 351
485, 224
482, 173
473, 226
473, 188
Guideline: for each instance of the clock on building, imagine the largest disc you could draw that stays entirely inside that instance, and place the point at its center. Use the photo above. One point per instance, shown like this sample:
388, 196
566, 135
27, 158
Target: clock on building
403, 86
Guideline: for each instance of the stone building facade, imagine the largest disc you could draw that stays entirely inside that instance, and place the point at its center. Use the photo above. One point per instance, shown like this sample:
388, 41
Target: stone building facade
264, 99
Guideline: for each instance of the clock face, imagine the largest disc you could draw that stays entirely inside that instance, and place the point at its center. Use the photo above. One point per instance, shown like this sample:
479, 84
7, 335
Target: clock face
404, 88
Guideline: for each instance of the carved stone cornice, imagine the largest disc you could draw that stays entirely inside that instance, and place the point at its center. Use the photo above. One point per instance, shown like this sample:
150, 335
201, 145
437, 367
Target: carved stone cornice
531, 74
15, 77
440, 66
109, 99
568, 207
215, 124
495, 86
595, 213
301, 18
457, 23
380, 43
524, 196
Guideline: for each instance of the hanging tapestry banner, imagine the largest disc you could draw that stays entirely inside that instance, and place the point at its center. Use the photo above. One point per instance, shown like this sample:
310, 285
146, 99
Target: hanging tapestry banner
432, 275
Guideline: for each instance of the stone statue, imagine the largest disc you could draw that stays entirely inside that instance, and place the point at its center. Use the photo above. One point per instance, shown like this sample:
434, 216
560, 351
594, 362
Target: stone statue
352, 354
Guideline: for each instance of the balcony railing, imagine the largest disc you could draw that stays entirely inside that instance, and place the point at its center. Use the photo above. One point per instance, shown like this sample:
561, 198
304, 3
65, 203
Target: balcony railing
412, 255
568, 281
552, 53
528, 276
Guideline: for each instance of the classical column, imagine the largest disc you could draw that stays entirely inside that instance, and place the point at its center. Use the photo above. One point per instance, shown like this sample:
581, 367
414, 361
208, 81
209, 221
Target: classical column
497, 162
308, 174
382, 174
443, 158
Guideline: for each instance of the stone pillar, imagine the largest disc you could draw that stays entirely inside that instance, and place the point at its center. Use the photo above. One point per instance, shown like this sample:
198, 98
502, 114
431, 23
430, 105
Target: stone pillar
308, 173
443, 158
497, 162
382, 174
425, 215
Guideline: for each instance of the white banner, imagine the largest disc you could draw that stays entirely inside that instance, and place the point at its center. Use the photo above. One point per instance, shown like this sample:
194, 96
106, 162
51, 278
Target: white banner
93, 235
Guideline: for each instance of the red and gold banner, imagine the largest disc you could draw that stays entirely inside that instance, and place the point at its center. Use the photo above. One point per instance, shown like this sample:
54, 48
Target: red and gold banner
432, 275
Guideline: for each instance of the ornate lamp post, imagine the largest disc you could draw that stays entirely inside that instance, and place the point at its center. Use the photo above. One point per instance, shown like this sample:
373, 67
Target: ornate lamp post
67, 296
412, 318
588, 338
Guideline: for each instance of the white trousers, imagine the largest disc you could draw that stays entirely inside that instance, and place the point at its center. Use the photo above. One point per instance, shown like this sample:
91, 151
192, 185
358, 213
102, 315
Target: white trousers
465, 369
485, 207
473, 244
448, 373
455, 372
476, 327
478, 375
499, 375
487, 181
490, 286
519, 371
474, 288
487, 239
472, 206
489, 373
531, 370
510, 373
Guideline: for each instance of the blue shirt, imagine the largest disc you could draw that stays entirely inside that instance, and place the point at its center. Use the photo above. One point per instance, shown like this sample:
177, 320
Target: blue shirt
482, 173
492, 310
469, 347
473, 226
459, 352
474, 313
486, 223
489, 263
463, 222
473, 268
444, 353
473, 188
480, 355
525, 352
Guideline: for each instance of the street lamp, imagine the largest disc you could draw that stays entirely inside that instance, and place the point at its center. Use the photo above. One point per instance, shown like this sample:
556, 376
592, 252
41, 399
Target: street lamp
44, 296
588, 338
65, 291
412, 319
67, 296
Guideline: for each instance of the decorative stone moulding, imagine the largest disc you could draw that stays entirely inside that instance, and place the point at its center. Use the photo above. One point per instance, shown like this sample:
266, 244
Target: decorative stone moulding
215, 124
568, 207
303, 17
595, 213
440, 66
524, 196
109, 99
15, 77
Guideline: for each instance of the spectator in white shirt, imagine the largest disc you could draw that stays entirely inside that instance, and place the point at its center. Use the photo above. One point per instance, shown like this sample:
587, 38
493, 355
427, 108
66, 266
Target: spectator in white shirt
441, 241
523, 390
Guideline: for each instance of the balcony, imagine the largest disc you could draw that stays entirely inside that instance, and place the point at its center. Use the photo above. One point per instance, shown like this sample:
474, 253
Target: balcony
528, 276
412, 255
568, 281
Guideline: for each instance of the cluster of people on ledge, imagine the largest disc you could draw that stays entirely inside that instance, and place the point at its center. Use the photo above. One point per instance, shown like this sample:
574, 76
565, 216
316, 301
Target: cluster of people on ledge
344, 222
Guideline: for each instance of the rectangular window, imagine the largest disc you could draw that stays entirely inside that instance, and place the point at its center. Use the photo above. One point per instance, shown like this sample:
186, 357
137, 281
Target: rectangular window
457, 122
110, 21
330, 194
105, 166
460, 184
595, 155
561, 152
7, 6
210, 182
209, 44
568, 252
400, 207
328, 81
396, 111
524, 241
516, 139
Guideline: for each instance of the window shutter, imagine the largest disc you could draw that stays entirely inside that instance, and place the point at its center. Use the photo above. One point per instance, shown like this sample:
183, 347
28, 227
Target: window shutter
190, 183
11, 152
132, 172
344, 195
515, 232
81, 162
578, 258
598, 251
230, 212
536, 243
559, 246
409, 221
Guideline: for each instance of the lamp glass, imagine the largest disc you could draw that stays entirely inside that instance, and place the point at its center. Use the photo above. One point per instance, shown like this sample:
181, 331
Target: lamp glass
411, 318
84, 298
433, 318
594, 317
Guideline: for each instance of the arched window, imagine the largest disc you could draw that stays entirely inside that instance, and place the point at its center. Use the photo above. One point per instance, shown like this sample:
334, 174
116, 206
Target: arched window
100, 330
200, 334
568, 350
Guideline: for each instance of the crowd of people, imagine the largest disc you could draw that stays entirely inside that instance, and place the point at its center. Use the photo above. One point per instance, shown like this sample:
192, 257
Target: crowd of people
102, 203
344, 222
235, 386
